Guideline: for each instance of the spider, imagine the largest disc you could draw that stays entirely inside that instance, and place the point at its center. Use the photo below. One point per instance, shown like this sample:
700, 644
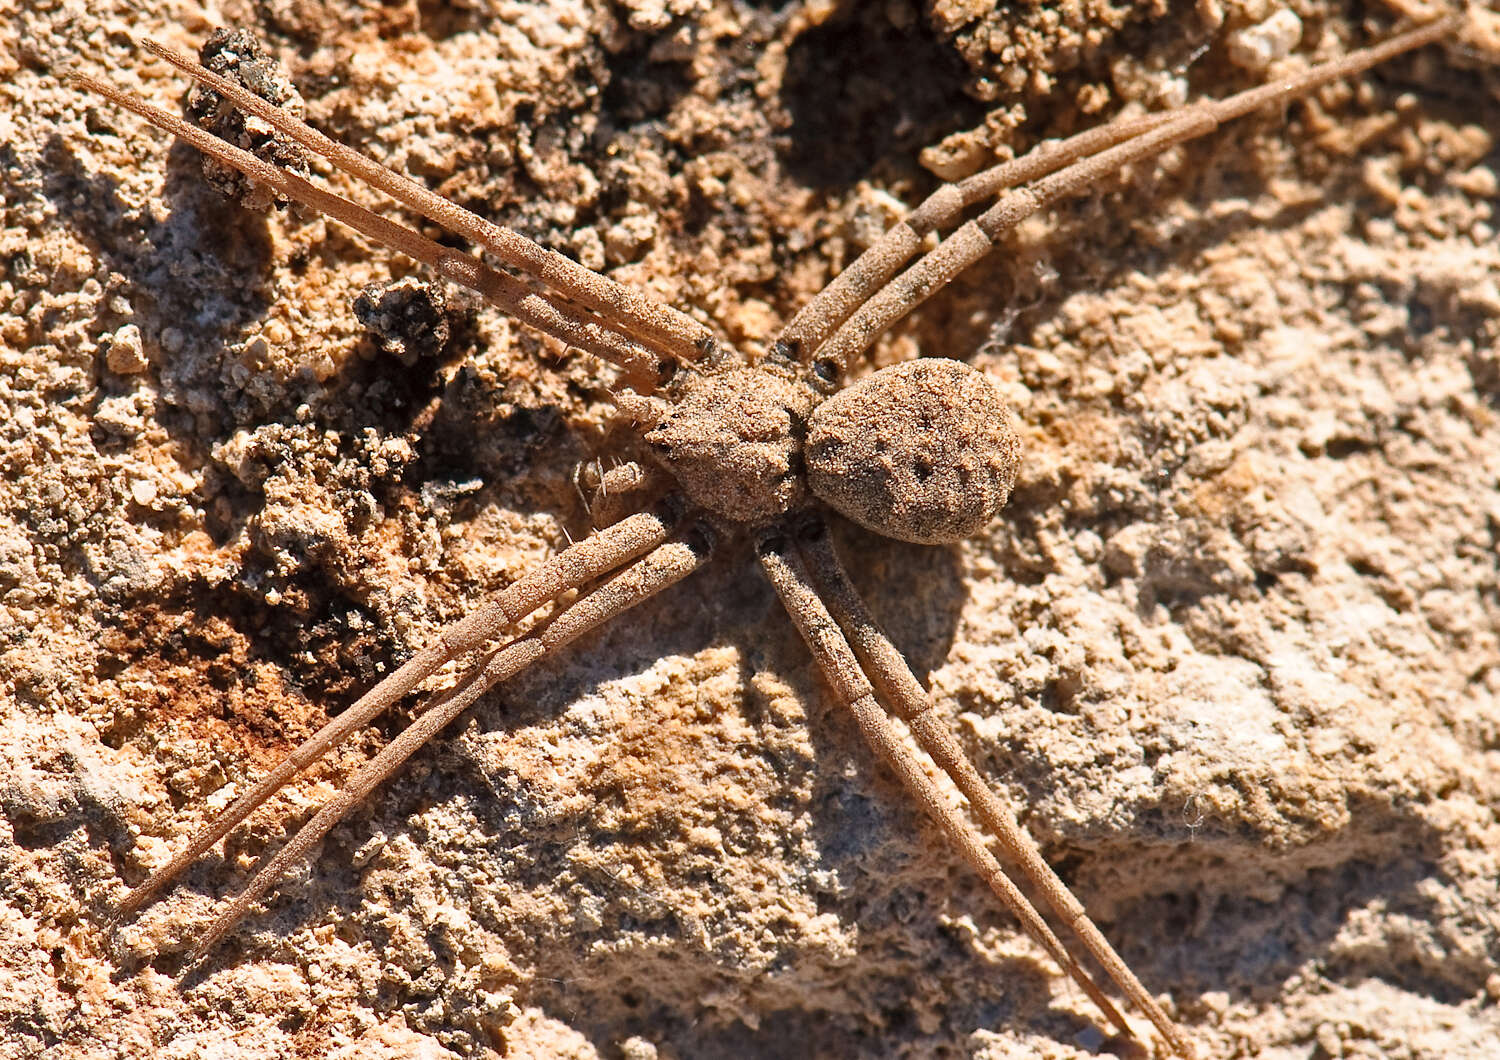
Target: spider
758, 450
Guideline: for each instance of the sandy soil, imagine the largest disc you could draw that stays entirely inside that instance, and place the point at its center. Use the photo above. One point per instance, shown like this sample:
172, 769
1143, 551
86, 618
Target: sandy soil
1234, 652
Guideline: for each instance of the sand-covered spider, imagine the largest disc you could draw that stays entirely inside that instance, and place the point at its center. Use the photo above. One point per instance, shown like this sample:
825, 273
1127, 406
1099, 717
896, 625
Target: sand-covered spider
648, 366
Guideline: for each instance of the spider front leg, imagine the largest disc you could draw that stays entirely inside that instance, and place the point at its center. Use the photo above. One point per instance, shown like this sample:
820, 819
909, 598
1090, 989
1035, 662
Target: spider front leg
651, 323
788, 573
584, 562
642, 579
645, 365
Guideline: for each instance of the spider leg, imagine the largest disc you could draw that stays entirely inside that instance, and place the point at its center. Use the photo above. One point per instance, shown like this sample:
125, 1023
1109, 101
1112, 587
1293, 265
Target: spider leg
866, 274
646, 576
644, 367
913, 704
788, 573
591, 558
976, 238
650, 322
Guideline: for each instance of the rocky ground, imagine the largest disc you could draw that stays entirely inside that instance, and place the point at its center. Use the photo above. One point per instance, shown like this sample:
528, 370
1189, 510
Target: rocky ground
1234, 652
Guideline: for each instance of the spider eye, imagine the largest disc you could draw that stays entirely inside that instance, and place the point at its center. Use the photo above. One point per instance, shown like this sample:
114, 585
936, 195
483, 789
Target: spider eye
827, 371
922, 451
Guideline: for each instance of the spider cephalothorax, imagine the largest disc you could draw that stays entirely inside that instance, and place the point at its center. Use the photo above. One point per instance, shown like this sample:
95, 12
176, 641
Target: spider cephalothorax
923, 452
732, 438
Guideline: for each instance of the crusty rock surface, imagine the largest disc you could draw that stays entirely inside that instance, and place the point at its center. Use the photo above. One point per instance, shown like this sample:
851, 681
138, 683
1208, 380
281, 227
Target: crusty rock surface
1234, 651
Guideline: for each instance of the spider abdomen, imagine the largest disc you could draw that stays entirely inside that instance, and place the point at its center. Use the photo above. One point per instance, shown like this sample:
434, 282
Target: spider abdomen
923, 451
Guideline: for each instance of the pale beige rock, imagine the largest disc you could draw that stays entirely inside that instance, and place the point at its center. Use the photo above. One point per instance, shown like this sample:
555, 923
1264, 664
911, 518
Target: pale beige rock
1234, 647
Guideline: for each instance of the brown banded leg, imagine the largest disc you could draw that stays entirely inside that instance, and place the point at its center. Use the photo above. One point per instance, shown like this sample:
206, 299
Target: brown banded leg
645, 367
904, 694
974, 239
639, 581
787, 572
866, 274
584, 562
651, 323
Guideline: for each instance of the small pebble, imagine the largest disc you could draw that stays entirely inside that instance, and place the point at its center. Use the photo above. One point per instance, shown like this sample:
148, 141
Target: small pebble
125, 355
1256, 47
